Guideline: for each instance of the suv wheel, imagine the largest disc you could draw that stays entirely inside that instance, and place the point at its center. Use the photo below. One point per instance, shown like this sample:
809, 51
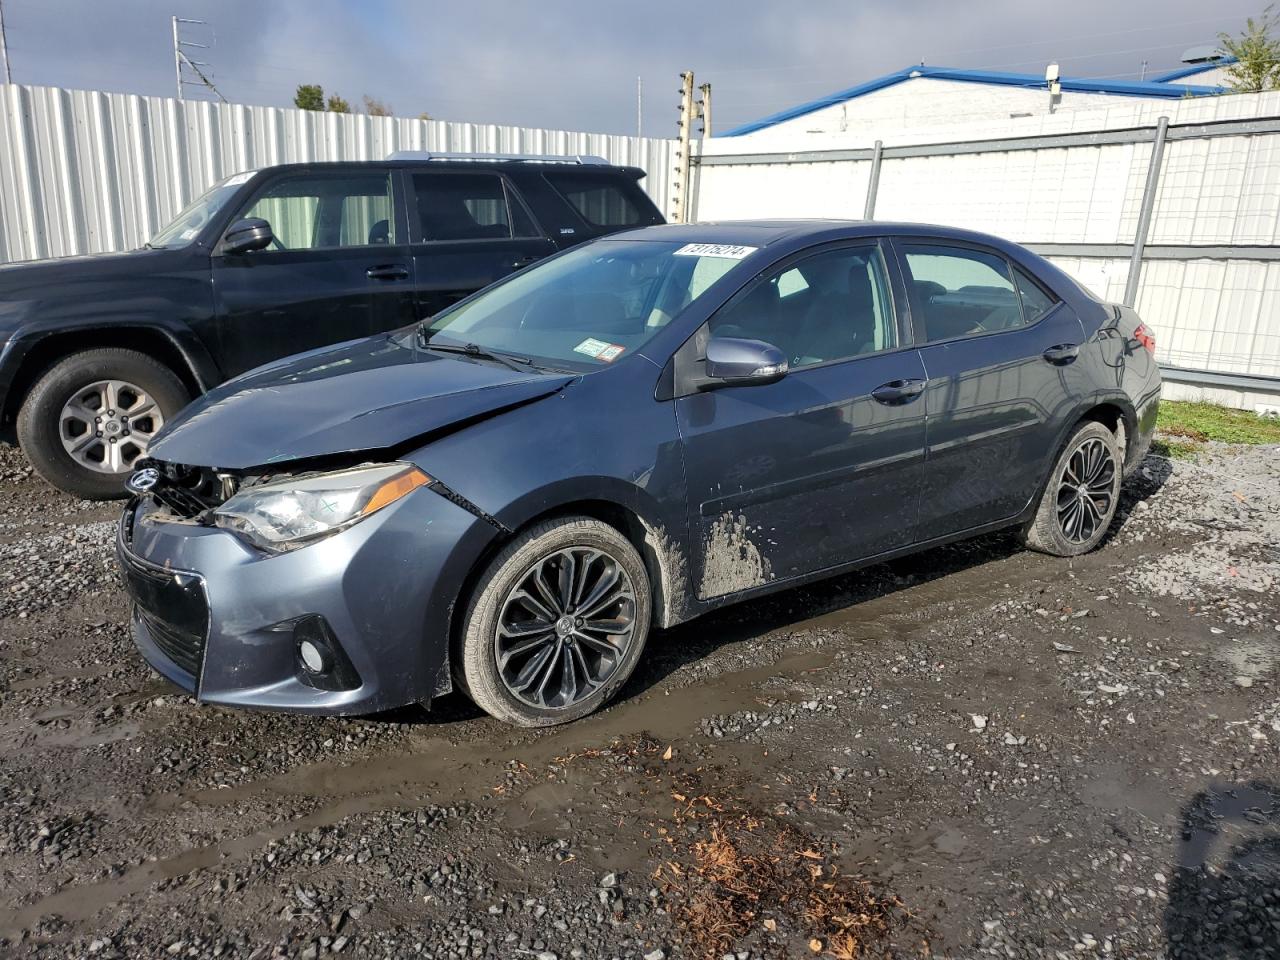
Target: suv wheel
89, 419
557, 623
1079, 502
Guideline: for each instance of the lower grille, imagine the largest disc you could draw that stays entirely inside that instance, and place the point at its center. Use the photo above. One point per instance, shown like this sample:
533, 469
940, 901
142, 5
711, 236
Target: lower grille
170, 604
184, 649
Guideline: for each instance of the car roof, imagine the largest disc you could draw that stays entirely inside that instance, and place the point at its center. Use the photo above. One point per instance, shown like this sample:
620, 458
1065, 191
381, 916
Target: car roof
760, 233
506, 166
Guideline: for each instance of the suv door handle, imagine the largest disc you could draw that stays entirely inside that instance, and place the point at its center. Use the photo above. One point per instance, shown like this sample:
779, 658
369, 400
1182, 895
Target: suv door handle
524, 261
388, 271
897, 392
1061, 354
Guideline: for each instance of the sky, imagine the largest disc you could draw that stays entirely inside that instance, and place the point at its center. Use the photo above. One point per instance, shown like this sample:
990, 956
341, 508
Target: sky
574, 64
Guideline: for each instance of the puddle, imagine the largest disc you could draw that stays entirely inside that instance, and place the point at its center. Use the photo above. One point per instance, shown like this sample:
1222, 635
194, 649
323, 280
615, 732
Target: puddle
1226, 820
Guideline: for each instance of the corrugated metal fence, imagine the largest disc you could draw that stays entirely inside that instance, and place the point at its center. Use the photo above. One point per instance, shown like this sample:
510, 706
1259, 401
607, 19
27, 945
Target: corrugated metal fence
88, 172
1071, 187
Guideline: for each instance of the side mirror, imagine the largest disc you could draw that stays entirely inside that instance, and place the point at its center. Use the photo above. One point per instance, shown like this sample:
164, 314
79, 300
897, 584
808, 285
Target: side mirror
246, 235
735, 362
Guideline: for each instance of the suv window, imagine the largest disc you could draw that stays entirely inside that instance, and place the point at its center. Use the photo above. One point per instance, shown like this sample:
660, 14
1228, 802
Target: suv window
961, 292
311, 212
829, 306
468, 206
600, 203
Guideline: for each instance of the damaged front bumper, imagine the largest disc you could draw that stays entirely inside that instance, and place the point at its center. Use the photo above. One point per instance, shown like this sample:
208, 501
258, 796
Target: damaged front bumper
227, 622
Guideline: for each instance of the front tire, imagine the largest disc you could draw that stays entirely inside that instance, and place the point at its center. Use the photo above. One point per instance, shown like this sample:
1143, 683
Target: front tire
556, 624
1079, 501
91, 416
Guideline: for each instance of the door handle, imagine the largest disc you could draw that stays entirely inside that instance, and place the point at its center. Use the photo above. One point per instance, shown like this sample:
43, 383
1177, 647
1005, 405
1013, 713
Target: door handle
1061, 354
897, 392
524, 261
388, 271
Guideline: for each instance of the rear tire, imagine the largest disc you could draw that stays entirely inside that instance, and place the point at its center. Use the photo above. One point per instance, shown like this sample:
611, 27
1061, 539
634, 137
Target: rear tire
556, 624
57, 424
1079, 501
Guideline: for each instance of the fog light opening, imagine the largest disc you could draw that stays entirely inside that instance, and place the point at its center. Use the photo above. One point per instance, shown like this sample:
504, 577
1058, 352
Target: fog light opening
321, 661
313, 658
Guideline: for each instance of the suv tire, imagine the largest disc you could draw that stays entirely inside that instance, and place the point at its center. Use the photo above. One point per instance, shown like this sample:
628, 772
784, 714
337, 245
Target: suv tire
56, 425
1079, 501
576, 638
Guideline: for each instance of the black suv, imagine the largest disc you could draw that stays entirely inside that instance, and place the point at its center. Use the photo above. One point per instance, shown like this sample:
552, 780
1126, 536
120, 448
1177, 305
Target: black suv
97, 352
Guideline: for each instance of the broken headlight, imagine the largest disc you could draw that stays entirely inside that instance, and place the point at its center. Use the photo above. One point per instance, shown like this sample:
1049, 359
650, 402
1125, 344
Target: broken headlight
287, 514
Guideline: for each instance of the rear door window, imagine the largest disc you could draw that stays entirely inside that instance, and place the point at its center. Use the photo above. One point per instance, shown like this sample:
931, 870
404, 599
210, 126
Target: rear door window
1036, 301
468, 206
960, 292
601, 203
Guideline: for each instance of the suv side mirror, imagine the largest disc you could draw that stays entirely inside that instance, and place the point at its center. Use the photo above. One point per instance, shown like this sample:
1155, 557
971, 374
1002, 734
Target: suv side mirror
736, 362
245, 235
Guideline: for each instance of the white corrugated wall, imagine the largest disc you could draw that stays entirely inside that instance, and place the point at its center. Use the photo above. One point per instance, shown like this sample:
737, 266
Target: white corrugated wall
1210, 314
89, 172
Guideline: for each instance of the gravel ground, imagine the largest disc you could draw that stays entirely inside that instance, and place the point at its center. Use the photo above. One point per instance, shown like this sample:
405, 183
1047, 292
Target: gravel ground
977, 751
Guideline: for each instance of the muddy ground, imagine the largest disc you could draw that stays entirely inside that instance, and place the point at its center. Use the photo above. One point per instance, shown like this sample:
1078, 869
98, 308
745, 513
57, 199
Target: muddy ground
977, 751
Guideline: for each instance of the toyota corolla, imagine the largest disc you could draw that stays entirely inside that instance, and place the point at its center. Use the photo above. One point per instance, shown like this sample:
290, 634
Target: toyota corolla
506, 498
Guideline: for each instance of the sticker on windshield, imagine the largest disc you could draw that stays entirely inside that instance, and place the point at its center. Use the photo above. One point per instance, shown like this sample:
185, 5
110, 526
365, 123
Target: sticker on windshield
726, 251
599, 349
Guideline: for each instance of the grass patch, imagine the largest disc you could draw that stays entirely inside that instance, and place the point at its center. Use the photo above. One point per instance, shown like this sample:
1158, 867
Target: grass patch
1174, 449
1198, 422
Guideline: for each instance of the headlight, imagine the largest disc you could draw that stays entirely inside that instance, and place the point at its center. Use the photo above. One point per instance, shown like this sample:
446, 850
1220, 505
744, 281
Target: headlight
288, 514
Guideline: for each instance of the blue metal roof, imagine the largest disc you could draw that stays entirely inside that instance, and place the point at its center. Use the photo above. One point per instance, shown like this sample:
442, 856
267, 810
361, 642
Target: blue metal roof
1191, 71
1149, 89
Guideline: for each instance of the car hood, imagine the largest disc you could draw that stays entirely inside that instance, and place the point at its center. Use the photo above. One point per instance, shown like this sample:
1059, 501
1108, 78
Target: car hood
363, 396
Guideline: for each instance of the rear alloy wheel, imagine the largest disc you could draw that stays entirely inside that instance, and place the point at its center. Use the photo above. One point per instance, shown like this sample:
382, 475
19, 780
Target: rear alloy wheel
90, 418
1079, 502
556, 624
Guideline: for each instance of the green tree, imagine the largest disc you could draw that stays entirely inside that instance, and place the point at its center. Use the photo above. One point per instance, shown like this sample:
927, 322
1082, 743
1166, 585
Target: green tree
338, 105
1257, 54
309, 96
376, 108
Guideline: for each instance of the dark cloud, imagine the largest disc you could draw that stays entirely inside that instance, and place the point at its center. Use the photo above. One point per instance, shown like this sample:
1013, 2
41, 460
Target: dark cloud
573, 64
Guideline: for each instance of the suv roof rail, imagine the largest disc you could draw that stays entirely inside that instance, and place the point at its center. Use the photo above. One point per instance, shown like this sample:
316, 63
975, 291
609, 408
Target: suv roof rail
585, 158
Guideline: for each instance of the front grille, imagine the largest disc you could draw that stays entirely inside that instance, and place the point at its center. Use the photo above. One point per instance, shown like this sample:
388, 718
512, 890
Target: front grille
187, 491
170, 604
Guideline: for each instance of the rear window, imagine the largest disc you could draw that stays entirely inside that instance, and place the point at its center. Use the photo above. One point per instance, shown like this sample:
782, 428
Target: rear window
601, 203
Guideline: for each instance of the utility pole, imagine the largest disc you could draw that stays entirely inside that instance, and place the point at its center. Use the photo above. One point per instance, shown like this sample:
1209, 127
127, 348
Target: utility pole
180, 58
4, 47
690, 110
680, 190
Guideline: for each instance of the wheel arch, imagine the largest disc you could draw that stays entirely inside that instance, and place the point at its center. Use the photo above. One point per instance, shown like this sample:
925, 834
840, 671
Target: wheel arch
661, 550
189, 362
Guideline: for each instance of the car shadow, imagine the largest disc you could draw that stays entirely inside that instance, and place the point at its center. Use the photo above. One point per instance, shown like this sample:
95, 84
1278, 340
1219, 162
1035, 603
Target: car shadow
670, 650
1224, 895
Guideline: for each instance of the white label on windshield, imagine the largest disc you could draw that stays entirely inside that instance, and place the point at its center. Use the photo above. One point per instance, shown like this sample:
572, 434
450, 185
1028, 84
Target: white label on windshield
727, 251
591, 347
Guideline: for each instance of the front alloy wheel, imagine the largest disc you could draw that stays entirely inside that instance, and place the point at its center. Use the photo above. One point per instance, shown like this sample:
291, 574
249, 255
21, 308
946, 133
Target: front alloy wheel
556, 624
105, 426
565, 627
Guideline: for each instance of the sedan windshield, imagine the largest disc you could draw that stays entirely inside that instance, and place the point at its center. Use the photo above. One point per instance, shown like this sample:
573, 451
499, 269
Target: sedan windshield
588, 308
187, 225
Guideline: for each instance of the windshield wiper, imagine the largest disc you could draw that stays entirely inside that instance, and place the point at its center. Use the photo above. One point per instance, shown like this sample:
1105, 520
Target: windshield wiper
508, 360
